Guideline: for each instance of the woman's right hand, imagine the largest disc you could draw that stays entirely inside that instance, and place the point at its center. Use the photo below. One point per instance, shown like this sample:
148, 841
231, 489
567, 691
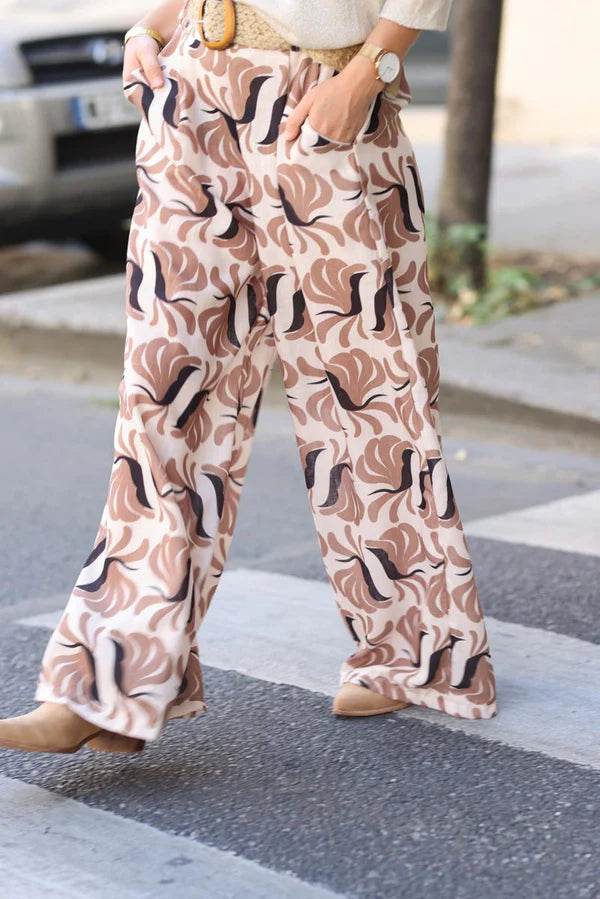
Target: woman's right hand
141, 52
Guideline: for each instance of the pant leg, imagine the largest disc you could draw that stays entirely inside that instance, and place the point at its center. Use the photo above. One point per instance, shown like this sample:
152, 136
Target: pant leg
361, 374
198, 350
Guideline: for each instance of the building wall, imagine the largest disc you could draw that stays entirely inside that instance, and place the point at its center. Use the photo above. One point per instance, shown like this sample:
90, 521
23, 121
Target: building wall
549, 74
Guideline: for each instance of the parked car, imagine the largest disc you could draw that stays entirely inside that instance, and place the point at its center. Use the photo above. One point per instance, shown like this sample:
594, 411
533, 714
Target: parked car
67, 133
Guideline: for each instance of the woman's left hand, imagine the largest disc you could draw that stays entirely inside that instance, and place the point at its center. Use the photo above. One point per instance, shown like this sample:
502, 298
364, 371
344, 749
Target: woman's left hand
337, 107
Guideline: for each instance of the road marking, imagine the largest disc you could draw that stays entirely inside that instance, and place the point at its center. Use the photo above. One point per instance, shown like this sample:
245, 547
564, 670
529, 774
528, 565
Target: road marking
287, 630
58, 848
571, 525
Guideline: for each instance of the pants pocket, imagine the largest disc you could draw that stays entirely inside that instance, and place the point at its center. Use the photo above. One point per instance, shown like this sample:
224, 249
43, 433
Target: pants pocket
322, 139
135, 86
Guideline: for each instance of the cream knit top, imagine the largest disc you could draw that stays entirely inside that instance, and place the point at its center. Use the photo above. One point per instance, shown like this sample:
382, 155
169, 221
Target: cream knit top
339, 23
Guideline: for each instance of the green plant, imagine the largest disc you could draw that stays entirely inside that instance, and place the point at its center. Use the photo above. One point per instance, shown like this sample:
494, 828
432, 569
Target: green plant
509, 291
450, 249
505, 291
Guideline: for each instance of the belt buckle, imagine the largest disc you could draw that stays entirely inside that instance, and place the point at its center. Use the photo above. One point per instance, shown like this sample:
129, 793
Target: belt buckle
229, 32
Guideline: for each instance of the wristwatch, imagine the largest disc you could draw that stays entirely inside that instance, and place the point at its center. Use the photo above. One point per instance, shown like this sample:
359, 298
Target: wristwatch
387, 63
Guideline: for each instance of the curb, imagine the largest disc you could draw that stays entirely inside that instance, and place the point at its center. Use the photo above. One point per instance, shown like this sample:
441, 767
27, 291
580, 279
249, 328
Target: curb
104, 350
26, 341
459, 399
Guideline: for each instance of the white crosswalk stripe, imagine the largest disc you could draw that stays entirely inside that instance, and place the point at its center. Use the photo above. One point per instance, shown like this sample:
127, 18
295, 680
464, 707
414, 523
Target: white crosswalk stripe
57, 848
571, 524
260, 624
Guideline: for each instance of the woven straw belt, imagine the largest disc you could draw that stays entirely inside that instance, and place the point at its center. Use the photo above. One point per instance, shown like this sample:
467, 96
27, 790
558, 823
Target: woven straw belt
252, 30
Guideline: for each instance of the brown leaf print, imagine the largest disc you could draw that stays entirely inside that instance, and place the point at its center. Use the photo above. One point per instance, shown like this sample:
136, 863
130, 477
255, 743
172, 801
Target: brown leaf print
333, 471
385, 130
390, 467
359, 384
72, 668
409, 629
353, 578
191, 691
335, 291
480, 690
107, 585
140, 662
410, 413
175, 282
397, 201
150, 174
305, 197
401, 553
168, 386
244, 248
128, 495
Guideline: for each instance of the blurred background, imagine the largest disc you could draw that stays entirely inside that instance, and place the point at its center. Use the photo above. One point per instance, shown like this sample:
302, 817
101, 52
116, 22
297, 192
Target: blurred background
67, 139
505, 125
503, 121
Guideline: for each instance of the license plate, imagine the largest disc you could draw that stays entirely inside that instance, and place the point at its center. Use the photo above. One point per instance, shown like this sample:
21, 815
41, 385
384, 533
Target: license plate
106, 110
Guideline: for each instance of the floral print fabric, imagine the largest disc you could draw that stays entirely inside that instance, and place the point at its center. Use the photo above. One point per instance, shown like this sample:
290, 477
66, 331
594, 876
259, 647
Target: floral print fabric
245, 247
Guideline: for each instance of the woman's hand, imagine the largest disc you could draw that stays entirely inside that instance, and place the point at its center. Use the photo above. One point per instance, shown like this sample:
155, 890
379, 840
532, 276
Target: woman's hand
141, 52
337, 107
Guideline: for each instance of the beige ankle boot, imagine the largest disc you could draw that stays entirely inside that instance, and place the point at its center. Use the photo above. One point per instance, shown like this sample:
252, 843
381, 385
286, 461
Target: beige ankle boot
54, 727
356, 701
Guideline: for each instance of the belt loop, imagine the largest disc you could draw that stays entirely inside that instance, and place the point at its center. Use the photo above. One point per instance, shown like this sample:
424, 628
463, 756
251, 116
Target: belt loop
229, 32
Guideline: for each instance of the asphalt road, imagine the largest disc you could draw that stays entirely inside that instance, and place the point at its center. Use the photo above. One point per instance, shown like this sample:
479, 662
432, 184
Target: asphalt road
269, 795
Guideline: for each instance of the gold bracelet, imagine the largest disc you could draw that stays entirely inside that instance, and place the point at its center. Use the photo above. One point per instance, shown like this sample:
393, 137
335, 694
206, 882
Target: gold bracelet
138, 30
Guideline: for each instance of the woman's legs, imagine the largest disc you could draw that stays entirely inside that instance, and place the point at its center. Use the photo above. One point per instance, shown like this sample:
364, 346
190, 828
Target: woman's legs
242, 246
198, 350
363, 382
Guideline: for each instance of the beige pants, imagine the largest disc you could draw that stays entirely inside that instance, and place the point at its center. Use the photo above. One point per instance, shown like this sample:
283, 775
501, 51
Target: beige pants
244, 246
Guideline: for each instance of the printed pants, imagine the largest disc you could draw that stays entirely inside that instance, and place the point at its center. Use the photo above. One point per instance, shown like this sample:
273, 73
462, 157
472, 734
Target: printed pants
244, 246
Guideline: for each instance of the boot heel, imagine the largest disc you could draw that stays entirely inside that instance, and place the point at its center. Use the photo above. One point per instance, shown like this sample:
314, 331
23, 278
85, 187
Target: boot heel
106, 741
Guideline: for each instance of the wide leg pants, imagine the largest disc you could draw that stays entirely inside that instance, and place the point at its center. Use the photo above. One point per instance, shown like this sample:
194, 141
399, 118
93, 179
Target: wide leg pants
244, 246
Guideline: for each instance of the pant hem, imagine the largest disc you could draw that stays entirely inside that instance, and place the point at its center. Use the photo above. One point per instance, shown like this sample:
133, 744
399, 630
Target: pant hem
104, 722
428, 697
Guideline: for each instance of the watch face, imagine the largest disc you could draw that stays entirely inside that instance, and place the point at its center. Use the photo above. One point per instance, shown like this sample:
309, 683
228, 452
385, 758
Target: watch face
388, 66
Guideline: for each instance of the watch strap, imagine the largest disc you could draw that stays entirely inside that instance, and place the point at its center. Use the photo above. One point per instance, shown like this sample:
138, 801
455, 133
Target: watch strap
373, 52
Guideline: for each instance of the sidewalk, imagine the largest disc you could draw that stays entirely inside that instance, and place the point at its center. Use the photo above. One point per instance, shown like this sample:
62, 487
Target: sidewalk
546, 362
544, 197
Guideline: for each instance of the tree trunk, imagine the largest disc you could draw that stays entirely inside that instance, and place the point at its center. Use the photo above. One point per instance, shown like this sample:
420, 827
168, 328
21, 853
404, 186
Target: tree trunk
469, 133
